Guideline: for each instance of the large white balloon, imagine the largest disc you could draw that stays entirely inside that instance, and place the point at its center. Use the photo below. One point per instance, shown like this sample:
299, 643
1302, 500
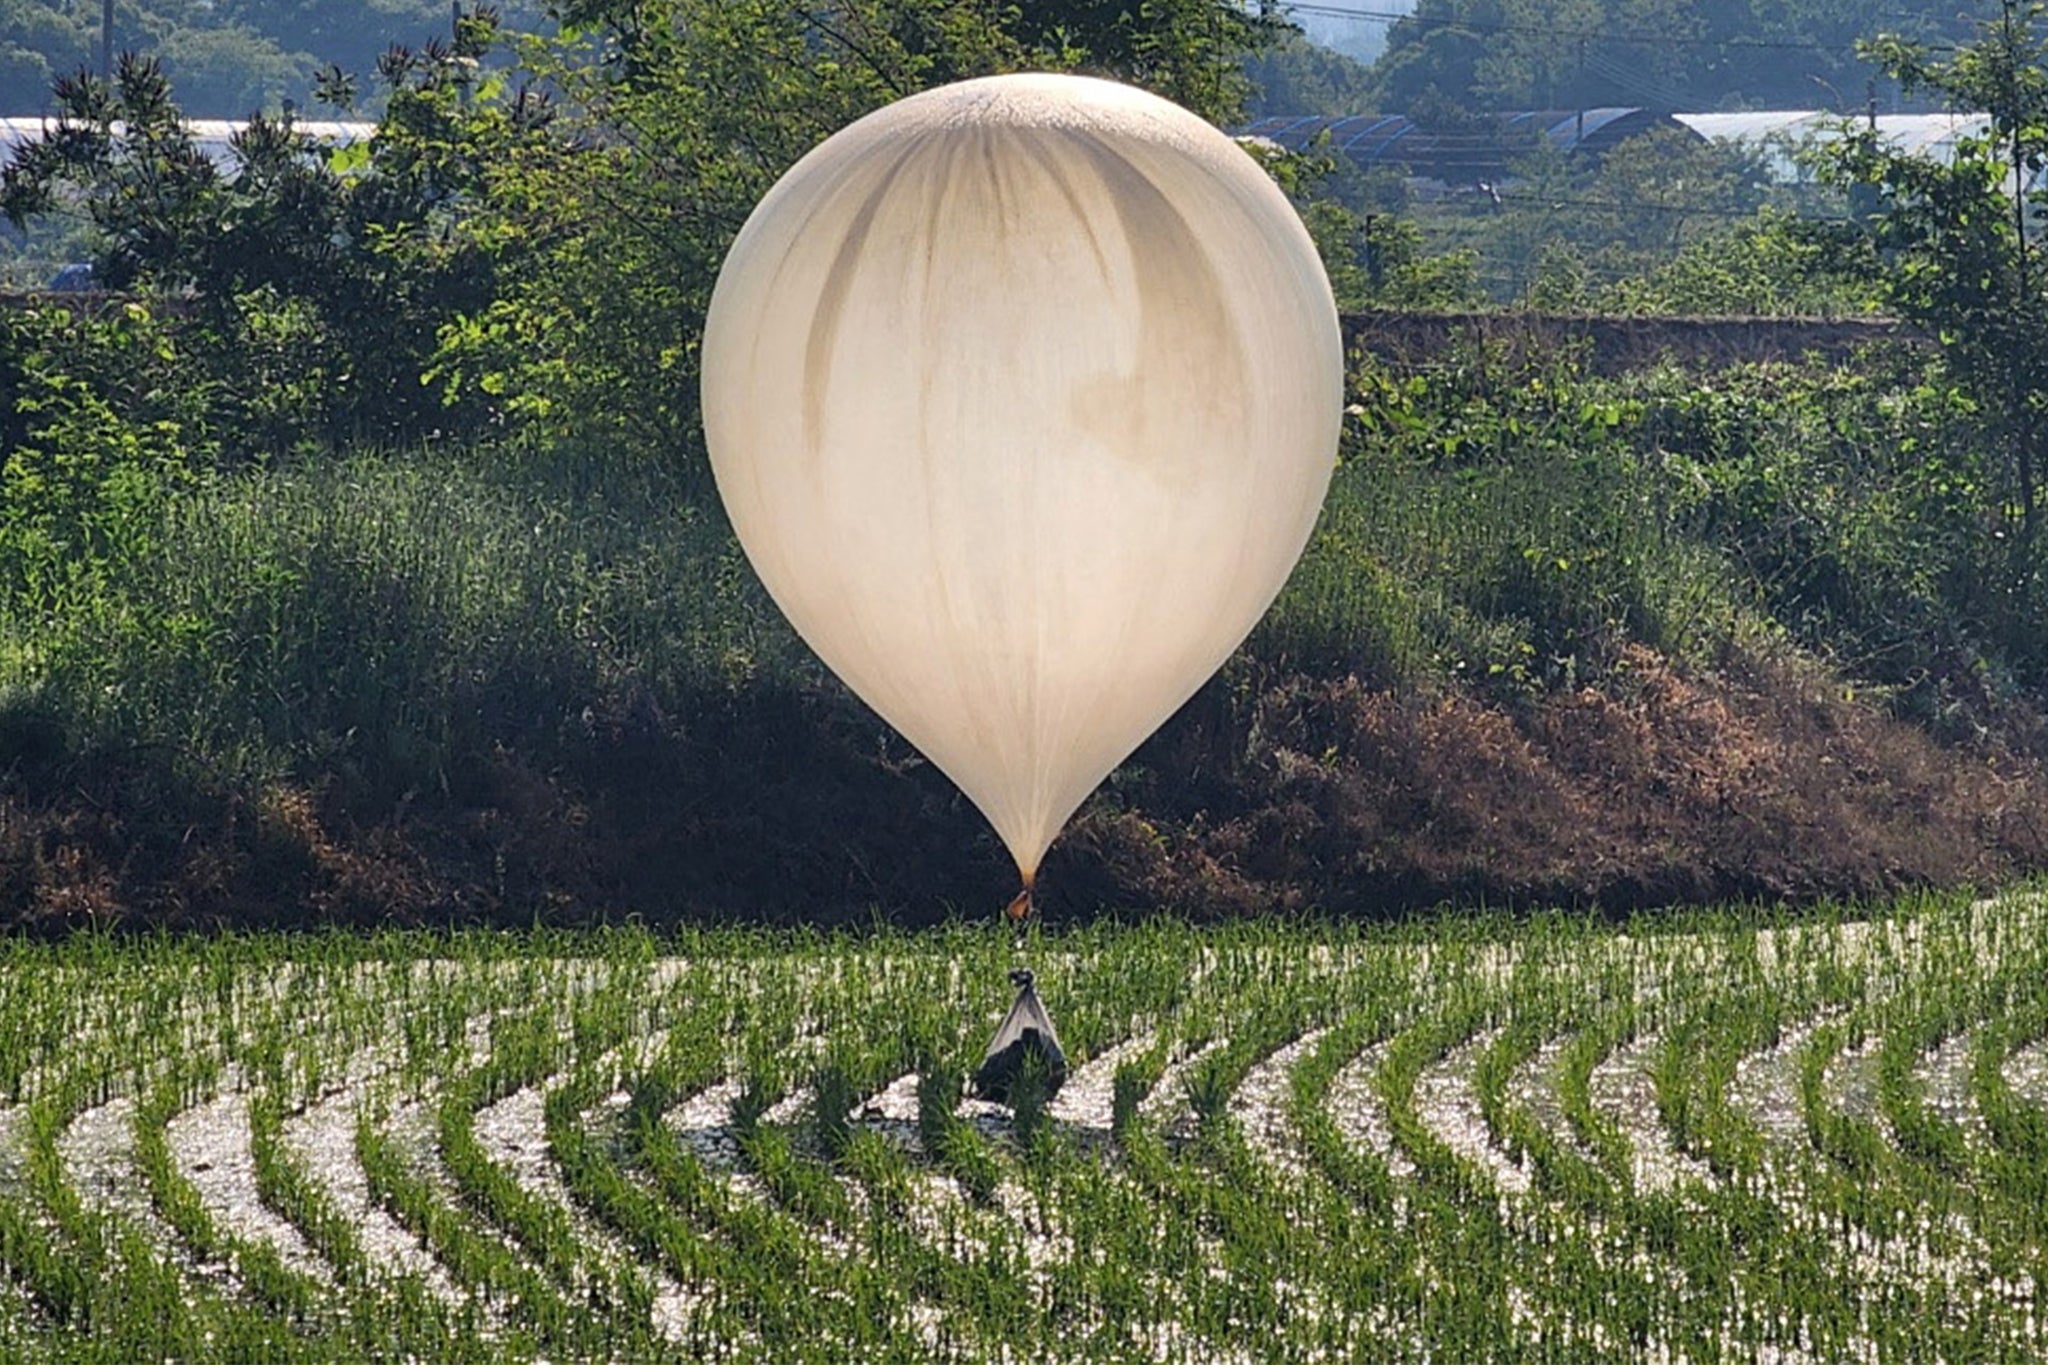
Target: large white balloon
1023, 395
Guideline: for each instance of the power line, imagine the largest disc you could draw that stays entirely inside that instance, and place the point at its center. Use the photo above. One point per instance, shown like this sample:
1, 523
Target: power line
1684, 210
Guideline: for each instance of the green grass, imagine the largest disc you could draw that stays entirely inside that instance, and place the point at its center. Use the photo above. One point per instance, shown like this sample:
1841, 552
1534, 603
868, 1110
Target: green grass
1500, 523
1890, 1229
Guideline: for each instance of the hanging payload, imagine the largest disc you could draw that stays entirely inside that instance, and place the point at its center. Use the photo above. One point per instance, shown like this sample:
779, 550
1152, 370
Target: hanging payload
1022, 395
1026, 1045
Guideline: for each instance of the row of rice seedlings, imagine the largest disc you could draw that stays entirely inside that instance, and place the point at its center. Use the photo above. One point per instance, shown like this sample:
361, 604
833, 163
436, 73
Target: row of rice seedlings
1837, 1227
1668, 1220
853, 1189
965, 1270
1273, 1234
1562, 1171
2015, 1160
537, 1313
1359, 1172
1109, 1269
1691, 1242
752, 1262
1758, 1262
117, 1270
1955, 1178
256, 1266
158, 1000
952, 1144
524, 1052
1369, 1246
146, 1294
1896, 1209
351, 999
1123, 1274
394, 1313
1712, 1260
1474, 1276
1593, 1280
52, 1248
1398, 1288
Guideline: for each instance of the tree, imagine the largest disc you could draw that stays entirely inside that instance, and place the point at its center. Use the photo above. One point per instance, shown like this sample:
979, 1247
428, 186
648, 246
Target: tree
232, 71
679, 115
1295, 76
536, 267
1958, 252
326, 273
1957, 236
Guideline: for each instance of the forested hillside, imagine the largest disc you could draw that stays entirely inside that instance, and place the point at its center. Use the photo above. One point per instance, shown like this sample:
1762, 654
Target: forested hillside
226, 58
1668, 54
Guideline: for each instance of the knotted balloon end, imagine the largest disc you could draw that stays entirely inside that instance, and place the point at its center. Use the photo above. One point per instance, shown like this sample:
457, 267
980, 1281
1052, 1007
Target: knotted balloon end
1020, 909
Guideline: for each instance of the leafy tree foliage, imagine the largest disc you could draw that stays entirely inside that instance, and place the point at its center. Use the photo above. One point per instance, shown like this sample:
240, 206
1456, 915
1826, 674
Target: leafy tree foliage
37, 41
1640, 205
1957, 246
325, 275
1955, 251
1775, 264
487, 258
678, 116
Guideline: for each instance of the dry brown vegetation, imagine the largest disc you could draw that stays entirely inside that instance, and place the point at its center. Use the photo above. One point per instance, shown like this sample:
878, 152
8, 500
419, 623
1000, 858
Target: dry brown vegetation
1759, 779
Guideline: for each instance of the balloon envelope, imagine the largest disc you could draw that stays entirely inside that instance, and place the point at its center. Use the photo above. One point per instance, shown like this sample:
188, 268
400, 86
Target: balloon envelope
1022, 395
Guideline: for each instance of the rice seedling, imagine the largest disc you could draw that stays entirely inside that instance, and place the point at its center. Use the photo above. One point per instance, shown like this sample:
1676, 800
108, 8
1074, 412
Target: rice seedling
1727, 1135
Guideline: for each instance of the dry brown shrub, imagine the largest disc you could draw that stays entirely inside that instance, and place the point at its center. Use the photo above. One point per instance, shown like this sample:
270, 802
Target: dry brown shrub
1761, 780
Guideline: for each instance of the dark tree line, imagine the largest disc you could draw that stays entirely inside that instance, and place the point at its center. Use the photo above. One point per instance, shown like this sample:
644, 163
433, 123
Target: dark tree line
1664, 54
223, 58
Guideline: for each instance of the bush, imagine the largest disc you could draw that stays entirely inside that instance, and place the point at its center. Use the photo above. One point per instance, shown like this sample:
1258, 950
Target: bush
1497, 523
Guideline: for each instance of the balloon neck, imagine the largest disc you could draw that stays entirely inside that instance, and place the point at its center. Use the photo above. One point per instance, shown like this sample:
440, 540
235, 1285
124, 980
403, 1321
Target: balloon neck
1020, 909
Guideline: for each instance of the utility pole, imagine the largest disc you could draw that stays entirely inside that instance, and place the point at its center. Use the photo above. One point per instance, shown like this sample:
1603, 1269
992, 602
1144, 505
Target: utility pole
2022, 413
1580, 144
106, 40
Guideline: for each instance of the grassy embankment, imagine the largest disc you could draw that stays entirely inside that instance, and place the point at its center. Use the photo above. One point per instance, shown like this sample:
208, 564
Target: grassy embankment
1563, 639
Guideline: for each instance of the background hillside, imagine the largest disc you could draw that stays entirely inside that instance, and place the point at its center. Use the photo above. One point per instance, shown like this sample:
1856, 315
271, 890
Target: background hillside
227, 58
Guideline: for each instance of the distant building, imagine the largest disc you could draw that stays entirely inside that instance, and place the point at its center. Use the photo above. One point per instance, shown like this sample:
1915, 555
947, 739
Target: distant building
1484, 156
1471, 154
75, 278
1778, 134
211, 135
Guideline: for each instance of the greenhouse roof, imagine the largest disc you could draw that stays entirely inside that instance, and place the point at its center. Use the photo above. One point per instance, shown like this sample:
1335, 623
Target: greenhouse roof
211, 135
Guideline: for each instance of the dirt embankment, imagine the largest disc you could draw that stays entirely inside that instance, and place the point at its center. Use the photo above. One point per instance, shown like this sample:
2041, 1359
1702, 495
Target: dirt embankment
1759, 780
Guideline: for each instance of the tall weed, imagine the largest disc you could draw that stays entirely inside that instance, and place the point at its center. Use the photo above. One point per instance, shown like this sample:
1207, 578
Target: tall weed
389, 614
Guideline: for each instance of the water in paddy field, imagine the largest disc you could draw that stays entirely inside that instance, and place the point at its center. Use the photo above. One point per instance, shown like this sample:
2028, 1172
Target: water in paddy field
1817, 1140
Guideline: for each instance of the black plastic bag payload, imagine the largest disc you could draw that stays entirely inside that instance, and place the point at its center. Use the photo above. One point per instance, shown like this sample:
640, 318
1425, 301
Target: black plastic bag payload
1026, 1040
